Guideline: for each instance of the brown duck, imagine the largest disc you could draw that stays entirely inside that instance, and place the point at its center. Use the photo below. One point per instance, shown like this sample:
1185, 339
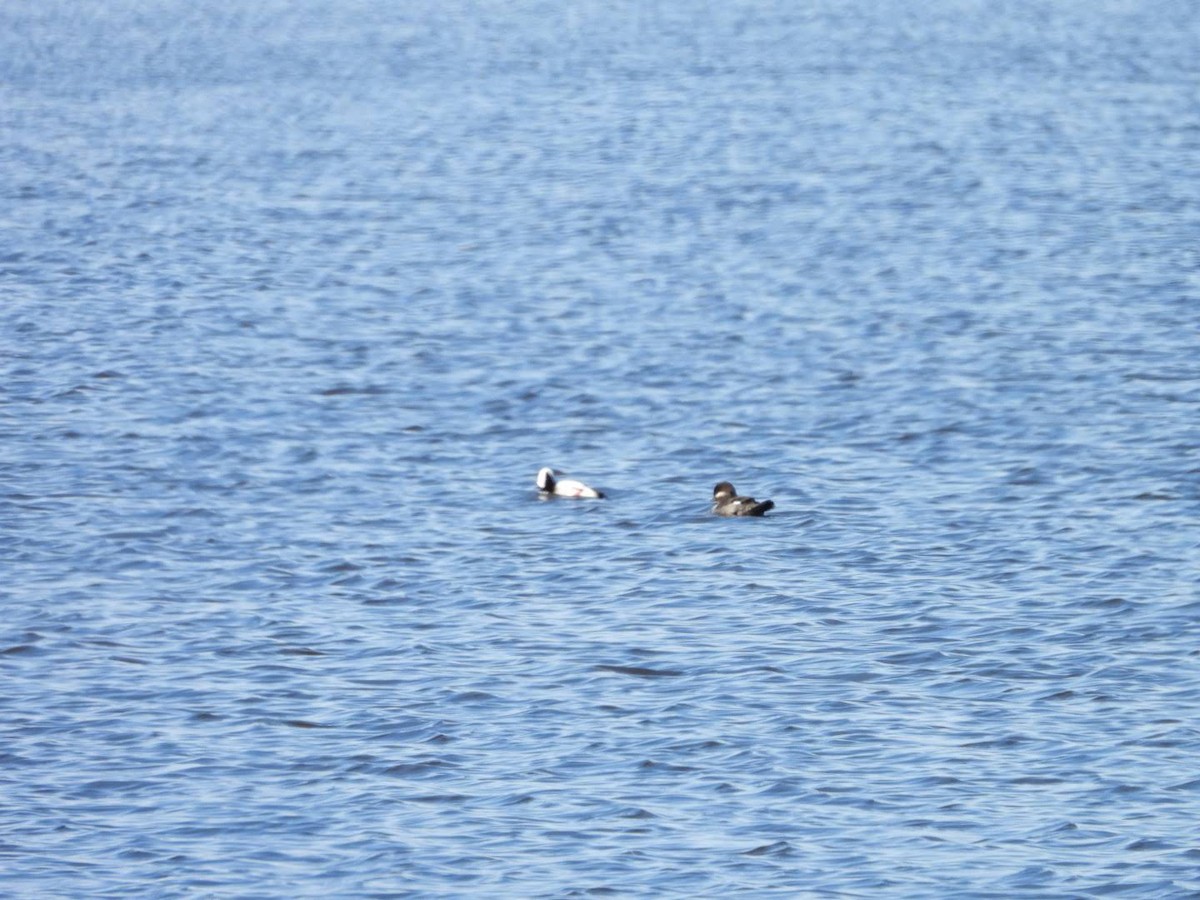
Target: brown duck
726, 502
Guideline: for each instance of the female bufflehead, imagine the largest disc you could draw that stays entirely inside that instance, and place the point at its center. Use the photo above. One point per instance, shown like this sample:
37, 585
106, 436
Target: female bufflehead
550, 485
726, 502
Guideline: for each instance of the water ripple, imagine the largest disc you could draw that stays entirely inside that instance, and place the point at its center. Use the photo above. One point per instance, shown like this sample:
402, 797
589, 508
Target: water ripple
298, 300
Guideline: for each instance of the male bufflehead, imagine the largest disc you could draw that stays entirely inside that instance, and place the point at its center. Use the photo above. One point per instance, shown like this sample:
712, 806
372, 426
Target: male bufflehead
550, 485
726, 502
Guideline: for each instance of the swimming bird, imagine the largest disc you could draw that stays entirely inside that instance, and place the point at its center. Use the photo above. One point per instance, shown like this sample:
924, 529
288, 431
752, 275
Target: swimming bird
550, 484
726, 502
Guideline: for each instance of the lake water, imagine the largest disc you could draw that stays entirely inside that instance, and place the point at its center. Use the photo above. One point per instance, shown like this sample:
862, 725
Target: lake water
297, 297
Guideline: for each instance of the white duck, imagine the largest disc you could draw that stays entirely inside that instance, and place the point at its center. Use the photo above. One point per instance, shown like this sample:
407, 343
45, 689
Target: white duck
550, 484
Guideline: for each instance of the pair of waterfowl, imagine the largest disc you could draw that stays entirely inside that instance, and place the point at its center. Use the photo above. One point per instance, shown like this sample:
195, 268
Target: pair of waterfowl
726, 501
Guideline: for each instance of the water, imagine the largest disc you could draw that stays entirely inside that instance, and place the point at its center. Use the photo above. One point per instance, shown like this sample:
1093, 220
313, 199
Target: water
298, 297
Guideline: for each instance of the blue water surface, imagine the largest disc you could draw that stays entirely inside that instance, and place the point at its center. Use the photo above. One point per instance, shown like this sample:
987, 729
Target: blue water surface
296, 297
